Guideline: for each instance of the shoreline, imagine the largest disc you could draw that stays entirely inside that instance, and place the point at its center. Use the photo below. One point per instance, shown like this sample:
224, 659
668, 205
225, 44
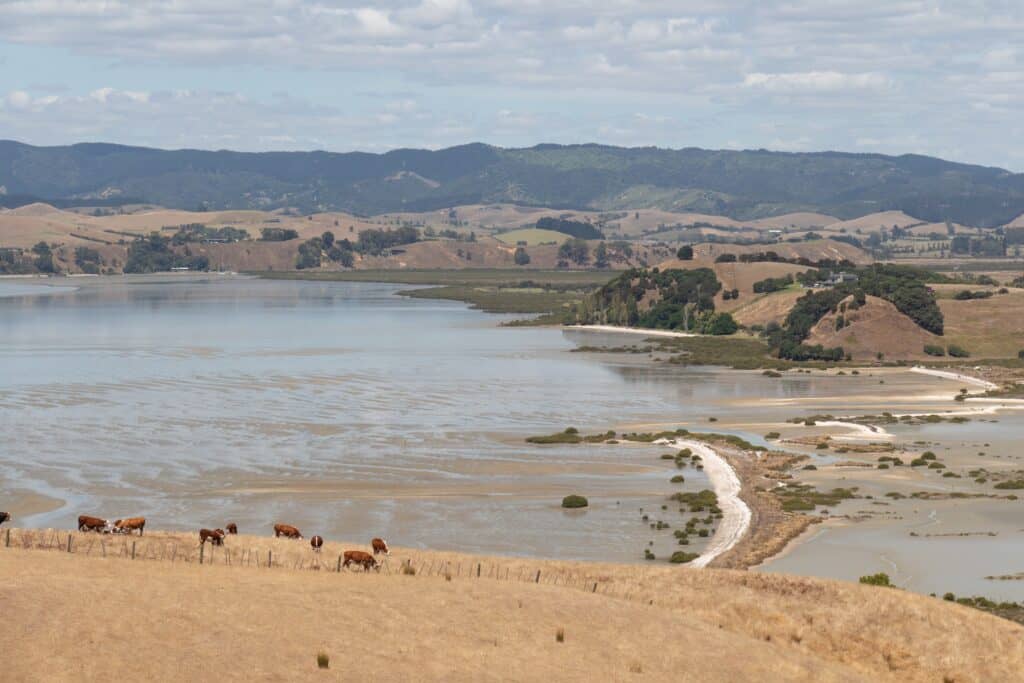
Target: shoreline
956, 376
630, 330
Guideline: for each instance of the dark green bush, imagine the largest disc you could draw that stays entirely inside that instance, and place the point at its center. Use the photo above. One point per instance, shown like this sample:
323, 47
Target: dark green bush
958, 351
680, 557
880, 579
574, 501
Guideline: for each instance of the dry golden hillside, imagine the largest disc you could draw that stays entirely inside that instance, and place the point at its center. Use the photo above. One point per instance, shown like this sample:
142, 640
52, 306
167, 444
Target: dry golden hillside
876, 327
88, 617
874, 222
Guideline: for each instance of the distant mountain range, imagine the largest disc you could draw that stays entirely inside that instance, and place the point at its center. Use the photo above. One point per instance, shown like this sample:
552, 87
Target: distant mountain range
744, 185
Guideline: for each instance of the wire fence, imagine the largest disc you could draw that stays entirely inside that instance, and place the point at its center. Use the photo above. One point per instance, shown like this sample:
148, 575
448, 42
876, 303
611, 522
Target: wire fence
270, 554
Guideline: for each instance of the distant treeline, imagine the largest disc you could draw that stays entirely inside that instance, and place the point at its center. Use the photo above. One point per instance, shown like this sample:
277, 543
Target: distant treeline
153, 253
371, 242
580, 229
197, 232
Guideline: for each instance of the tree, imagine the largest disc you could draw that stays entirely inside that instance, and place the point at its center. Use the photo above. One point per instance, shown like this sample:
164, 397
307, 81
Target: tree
521, 257
601, 256
44, 258
575, 250
685, 253
309, 254
328, 239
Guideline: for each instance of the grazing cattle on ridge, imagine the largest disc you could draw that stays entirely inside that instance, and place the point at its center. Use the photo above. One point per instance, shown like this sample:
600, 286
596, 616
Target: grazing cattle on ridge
214, 536
232, 528
87, 523
126, 526
4, 516
317, 542
360, 557
286, 530
380, 546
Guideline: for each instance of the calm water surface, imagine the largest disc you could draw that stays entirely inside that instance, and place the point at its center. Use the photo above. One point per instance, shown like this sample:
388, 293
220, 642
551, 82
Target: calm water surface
353, 412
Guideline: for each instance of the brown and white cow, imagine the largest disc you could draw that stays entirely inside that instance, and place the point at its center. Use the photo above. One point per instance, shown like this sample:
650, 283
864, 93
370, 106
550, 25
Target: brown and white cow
87, 523
232, 528
360, 557
317, 542
286, 530
380, 546
214, 536
4, 516
126, 526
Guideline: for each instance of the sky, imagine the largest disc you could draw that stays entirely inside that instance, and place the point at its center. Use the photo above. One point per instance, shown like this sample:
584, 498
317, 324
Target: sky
937, 77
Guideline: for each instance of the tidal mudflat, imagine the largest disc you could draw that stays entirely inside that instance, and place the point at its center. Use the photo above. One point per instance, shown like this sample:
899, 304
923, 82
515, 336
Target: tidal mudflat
348, 410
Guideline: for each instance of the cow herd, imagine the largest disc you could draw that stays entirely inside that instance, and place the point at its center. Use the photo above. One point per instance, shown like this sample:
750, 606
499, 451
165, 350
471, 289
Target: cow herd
358, 558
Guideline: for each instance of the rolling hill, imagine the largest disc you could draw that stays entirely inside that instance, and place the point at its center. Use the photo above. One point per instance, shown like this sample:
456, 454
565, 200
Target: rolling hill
744, 185
161, 618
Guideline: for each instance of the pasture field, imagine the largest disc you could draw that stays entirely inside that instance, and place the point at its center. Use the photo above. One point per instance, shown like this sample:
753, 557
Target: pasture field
532, 237
84, 616
987, 328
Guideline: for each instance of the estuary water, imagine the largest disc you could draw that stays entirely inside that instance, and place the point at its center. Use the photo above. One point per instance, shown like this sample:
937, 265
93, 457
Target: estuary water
353, 412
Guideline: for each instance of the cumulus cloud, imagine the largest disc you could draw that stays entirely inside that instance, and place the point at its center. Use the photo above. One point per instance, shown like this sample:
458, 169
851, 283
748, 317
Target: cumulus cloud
815, 81
744, 71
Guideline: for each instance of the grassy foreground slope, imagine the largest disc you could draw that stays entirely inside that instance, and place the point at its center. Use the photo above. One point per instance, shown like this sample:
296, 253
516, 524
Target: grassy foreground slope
84, 617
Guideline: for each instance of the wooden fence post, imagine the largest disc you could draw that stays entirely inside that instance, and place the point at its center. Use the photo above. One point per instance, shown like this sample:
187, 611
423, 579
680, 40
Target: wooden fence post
537, 580
8, 543
478, 570
133, 550
270, 559
69, 543
595, 588
202, 548
339, 564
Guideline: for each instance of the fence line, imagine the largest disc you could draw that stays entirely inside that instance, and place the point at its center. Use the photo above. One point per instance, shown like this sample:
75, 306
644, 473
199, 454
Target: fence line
162, 549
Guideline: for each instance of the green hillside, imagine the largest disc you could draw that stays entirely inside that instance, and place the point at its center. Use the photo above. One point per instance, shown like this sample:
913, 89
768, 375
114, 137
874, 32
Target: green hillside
741, 184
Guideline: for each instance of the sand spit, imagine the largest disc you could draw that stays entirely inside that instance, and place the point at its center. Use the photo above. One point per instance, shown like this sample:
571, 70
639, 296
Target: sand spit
736, 515
959, 377
858, 432
629, 330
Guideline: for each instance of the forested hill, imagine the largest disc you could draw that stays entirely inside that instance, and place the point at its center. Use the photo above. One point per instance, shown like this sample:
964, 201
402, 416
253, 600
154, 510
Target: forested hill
740, 184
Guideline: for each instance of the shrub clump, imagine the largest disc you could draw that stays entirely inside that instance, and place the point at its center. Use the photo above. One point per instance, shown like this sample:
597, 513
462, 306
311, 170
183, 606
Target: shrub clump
957, 351
574, 501
880, 579
681, 557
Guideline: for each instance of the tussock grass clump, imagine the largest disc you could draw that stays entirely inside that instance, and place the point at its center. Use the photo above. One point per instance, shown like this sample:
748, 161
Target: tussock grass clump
772, 435
408, 569
323, 660
1011, 484
678, 479
574, 501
